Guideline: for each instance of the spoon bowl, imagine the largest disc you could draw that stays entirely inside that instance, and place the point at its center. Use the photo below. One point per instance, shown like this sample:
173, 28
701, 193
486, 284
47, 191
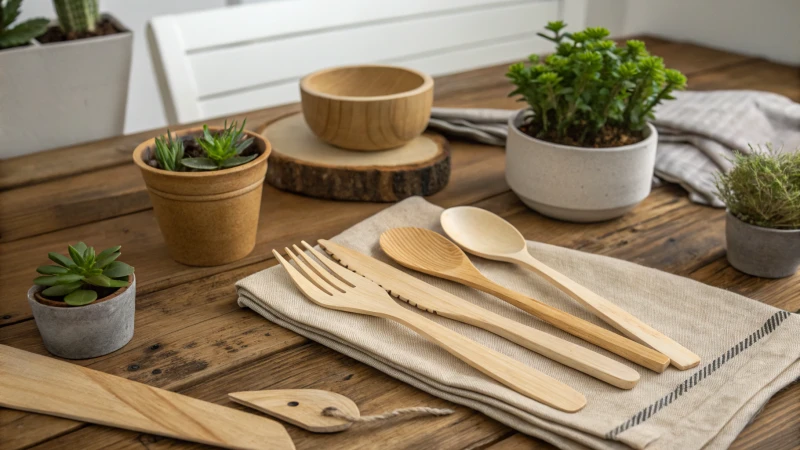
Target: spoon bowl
481, 232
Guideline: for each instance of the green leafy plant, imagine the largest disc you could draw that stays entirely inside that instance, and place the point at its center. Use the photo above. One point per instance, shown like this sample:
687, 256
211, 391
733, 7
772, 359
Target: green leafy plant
591, 92
763, 188
222, 150
169, 152
77, 16
21, 33
76, 277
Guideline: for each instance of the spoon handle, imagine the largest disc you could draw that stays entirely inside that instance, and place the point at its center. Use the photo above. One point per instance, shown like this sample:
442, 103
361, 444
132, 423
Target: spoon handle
626, 323
589, 332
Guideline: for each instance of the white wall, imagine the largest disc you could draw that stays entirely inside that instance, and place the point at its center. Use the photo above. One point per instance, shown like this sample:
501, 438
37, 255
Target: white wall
768, 29
144, 110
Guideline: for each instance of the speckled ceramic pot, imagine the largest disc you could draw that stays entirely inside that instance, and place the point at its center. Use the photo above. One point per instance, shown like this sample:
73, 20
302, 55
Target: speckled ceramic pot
579, 184
762, 252
81, 332
207, 218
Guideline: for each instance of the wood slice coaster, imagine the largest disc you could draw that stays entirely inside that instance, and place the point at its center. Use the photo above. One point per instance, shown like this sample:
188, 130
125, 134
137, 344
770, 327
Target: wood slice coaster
302, 163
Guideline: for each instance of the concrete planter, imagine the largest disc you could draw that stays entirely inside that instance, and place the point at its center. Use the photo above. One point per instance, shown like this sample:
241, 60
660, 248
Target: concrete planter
207, 218
81, 332
578, 184
65, 93
762, 252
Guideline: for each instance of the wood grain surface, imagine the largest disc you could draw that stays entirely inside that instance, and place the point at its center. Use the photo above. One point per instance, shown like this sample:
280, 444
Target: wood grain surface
304, 164
192, 338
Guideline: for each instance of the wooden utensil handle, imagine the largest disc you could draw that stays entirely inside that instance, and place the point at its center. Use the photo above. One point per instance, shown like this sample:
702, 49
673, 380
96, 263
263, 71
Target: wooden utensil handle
589, 332
557, 349
510, 372
626, 323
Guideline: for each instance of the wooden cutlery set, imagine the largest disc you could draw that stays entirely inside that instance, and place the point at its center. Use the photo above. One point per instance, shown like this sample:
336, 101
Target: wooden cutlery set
370, 289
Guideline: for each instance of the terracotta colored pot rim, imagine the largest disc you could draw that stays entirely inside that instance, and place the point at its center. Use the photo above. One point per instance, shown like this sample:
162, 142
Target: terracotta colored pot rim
764, 229
427, 84
54, 304
516, 120
141, 148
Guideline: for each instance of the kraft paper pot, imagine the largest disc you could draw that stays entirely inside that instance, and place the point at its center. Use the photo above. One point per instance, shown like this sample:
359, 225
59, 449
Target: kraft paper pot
207, 218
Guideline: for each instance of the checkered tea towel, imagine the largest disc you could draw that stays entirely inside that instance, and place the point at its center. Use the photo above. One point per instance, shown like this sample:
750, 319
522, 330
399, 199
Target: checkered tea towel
748, 350
698, 133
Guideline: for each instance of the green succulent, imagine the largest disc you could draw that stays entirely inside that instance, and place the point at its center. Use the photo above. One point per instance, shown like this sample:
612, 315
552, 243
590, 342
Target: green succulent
222, 150
169, 152
77, 15
763, 188
74, 276
21, 33
589, 84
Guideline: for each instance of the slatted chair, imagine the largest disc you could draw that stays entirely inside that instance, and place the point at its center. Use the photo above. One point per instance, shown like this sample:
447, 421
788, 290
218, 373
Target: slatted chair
218, 62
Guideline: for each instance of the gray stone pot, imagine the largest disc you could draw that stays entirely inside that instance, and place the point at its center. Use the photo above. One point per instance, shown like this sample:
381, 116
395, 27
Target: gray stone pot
762, 252
579, 184
89, 331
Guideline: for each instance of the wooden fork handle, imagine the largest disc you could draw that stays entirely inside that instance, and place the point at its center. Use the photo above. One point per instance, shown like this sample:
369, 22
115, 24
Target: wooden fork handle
510, 372
589, 332
626, 323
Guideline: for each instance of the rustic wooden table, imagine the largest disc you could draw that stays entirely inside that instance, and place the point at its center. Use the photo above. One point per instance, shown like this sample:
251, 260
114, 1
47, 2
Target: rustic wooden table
192, 338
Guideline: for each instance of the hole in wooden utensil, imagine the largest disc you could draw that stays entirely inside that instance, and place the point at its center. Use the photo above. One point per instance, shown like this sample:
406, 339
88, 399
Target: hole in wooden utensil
293, 403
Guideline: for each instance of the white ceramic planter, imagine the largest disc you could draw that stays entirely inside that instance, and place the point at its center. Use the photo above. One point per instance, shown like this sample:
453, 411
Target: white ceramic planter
59, 94
761, 252
80, 332
579, 184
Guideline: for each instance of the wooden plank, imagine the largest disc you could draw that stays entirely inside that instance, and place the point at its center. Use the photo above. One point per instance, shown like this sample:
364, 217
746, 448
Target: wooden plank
758, 75
79, 199
520, 441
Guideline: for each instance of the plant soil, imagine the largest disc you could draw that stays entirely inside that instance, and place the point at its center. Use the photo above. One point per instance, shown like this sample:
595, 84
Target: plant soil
609, 136
56, 34
191, 149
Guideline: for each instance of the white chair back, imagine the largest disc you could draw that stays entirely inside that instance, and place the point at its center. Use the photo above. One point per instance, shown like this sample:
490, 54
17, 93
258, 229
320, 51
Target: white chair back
223, 61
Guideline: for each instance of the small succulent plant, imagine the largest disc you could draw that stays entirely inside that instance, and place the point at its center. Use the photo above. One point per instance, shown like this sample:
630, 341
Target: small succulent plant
591, 92
763, 188
222, 150
75, 276
21, 33
77, 16
169, 152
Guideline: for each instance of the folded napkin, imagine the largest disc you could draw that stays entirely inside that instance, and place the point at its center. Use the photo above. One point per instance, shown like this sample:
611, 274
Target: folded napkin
749, 350
698, 133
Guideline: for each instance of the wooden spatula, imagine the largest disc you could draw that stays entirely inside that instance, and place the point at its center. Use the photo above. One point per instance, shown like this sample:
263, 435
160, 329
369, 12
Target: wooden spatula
45, 385
301, 407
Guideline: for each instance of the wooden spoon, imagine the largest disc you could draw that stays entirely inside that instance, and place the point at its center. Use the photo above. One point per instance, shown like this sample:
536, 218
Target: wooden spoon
430, 252
488, 235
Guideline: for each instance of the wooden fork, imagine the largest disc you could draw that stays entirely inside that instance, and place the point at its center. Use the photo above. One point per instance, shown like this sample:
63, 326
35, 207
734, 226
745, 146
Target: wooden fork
343, 290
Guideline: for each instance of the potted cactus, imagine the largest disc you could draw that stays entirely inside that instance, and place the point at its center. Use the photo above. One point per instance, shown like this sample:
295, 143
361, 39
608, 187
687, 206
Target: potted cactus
583, 150
762, 225
205, 184
68, 81
84, 305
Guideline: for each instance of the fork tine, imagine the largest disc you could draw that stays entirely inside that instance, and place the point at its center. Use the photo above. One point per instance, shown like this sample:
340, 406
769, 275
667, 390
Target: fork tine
318, 280
302, 283
342, 272
337, 283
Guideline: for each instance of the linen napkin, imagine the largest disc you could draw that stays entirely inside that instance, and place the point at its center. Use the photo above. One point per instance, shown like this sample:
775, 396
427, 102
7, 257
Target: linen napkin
698, 133
749, 350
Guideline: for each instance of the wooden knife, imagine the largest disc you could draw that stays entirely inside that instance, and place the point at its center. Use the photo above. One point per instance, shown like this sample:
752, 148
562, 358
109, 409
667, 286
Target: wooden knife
39, 384
436, 301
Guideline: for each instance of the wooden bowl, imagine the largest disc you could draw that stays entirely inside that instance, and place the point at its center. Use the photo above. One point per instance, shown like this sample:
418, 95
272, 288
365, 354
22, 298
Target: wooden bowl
367, 107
